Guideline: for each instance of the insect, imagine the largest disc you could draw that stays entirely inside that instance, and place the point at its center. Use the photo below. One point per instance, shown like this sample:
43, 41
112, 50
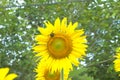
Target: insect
52, 34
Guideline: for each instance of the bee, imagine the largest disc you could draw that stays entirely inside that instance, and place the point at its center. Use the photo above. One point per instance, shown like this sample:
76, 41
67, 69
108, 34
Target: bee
52, 34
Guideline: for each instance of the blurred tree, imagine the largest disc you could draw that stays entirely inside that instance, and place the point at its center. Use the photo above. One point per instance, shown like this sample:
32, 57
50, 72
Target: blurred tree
19, 20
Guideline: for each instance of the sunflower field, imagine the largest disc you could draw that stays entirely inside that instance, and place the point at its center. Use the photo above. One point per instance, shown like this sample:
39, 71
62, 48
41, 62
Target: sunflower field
59, 40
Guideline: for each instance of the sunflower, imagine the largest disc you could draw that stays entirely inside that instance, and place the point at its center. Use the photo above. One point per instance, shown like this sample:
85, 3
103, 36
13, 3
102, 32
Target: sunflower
60, 45
4, 76
43, 73
117, 60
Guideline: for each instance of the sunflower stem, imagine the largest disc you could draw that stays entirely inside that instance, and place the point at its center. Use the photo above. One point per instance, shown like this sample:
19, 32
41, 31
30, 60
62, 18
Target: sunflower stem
62, 75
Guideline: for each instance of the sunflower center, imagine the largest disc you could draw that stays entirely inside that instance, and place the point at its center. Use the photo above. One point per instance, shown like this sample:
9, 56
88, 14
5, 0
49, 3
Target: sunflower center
52, 76
59, 46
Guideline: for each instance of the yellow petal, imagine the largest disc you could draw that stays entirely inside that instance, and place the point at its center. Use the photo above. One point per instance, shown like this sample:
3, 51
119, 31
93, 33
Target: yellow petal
68, 63
42, 53
49, 28
55, 66
118, 56
49, 25
57, 25
68, 28
77, 33
43, 31
41, 38
3, 73
73, 60
39, 48
77, 54
64, 24
50, 62
118, 50
80, 40
79, 46
72, 28
10, 77
41, 43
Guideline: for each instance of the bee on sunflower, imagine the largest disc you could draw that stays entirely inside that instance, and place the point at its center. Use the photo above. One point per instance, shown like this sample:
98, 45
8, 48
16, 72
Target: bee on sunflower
60, 45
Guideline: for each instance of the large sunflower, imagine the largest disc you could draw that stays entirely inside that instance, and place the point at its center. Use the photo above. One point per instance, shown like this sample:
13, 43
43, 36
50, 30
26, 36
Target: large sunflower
43, 73
117, 60
60, 45
4, 76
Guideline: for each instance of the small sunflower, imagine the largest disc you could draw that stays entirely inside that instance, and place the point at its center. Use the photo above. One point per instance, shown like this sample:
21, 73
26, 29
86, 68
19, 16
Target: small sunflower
43, 73
117, 60
4, 76
60, 45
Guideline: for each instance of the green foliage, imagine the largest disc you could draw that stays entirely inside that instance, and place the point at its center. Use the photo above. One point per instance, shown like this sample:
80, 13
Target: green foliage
80, 73
99, 18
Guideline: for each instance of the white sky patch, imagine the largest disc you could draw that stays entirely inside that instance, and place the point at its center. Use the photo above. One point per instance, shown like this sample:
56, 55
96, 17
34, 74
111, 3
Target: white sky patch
104, 0
24, 32
92, 34
83, 63
112, 41
101, 5
90, 56
115, 0
21, 1
19, 17
1, 26
28, 27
